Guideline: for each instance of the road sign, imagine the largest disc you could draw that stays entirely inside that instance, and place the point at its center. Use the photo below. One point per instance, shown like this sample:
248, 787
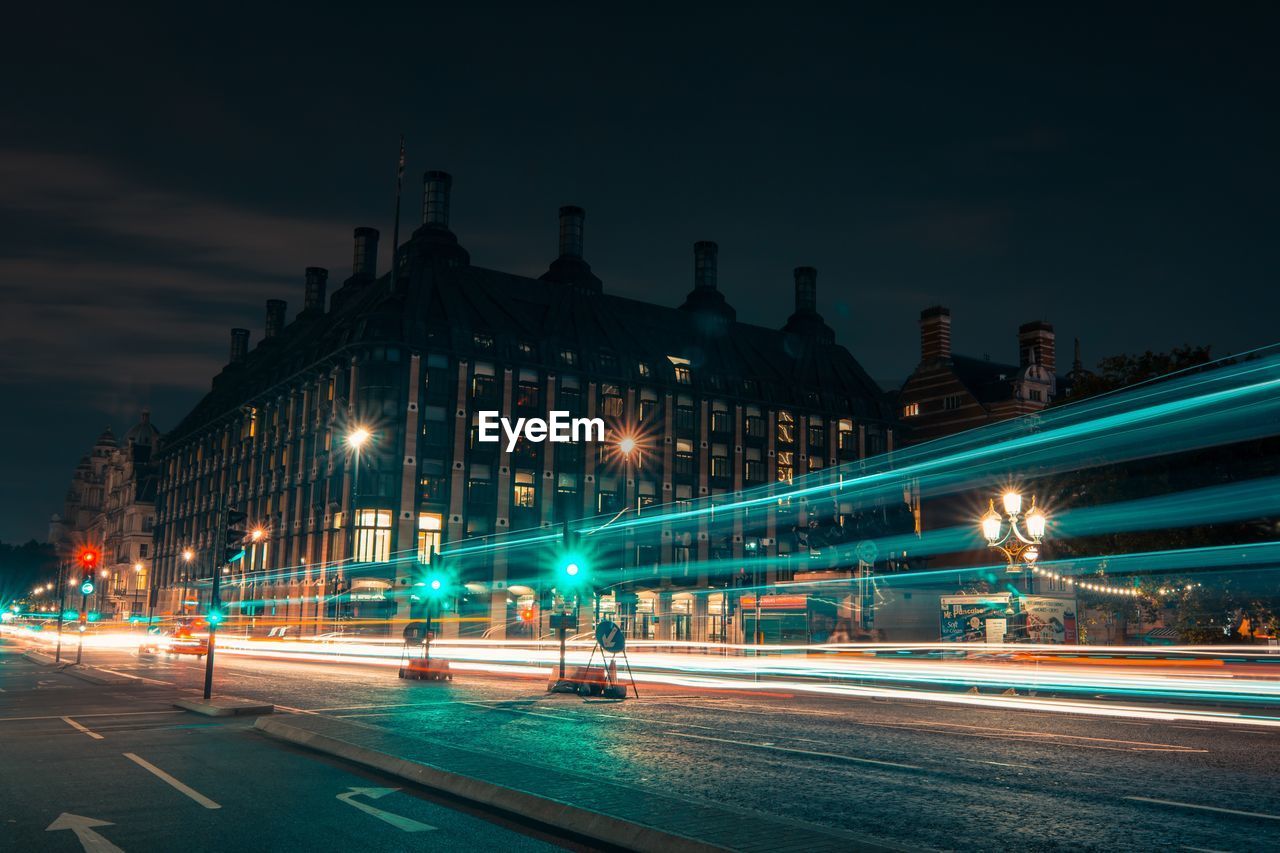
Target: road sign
610, 637
564, 620
415, 631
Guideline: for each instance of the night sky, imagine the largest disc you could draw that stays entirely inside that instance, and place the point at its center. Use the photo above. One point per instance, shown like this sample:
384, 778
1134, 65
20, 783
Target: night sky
1112, 169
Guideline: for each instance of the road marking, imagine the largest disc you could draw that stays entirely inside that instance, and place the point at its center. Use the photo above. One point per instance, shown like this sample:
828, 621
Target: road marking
81, 728
804, 752
1204, 808
82, 826
190, 792
104, 714
1170, 747
405, 824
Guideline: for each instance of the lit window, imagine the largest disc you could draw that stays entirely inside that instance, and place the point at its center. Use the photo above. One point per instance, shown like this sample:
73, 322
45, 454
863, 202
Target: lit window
373, 536
526, 494
786, 466
569, 357
429, 525
911, 410
482, 341
684, 375
786, 427
642, 368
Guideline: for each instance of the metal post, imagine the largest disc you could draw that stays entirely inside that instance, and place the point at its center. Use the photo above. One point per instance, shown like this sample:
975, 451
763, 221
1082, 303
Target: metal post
215, 600
62, 605
84, 603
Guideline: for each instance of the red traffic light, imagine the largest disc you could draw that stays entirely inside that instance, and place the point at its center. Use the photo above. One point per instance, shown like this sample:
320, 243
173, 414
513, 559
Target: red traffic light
526, 615
89, 558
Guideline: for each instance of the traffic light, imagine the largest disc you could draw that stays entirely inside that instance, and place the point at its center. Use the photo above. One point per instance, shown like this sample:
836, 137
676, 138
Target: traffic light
237, 532
88, 560
572, 569
214, 617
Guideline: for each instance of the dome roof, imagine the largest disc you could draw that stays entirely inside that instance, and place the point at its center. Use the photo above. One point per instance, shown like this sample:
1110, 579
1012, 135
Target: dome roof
107, 439
143, 433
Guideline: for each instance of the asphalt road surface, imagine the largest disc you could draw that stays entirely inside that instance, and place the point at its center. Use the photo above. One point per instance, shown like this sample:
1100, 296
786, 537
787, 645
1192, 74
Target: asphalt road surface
927, 775
116, 767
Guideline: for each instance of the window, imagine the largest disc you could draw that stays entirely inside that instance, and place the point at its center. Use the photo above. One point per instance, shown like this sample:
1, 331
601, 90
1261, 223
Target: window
786, 427
142, 550
483, 341
373, 536
951, 402
643, 369
484, 386
526, 350
429, 524
611, 402
684, 376
815, 463
568, 357
910, 410
845, 438
755, 471
526, 491
526, 395
608, 361
435, 429
570, 397
720, 461
720, 421
1036, 395
817, 433
754, 423
786, 466
567, 484
684, 414
480, 485
648, 406
684, 457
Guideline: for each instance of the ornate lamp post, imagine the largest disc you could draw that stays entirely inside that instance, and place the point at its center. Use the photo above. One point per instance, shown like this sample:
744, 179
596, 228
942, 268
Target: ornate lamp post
1016, 535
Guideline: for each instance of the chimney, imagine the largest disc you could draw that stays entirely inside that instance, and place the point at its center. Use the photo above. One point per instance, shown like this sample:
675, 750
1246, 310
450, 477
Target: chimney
275, 318
313, 298
1036, 345
435, 199
806, 290
571, 219
239, 344
935, 334
704, 265
365, 264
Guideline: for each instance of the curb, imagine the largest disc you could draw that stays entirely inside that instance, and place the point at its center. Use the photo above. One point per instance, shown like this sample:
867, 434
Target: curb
599, 827
225, 706
93, 675
42, 658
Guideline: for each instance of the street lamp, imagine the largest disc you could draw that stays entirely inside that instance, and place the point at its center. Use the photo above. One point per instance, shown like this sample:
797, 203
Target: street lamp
357, 438
187, 556
1003, 533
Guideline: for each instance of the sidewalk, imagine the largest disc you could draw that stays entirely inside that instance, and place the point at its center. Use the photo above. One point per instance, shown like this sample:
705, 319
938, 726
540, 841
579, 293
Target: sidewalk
595, 807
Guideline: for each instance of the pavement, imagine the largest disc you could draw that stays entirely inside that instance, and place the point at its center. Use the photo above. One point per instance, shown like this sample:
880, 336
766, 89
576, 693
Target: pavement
917, 774
107, 767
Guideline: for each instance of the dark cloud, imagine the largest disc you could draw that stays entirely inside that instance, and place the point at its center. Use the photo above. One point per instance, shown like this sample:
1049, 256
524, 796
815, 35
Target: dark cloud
1110, 168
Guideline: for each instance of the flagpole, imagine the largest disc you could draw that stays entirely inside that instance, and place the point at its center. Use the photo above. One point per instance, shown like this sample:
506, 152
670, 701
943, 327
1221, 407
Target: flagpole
395, 232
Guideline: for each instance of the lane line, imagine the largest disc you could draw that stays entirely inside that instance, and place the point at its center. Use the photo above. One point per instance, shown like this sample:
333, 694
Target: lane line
1204, 808
804, 752
81, 728
190, 792
102, 714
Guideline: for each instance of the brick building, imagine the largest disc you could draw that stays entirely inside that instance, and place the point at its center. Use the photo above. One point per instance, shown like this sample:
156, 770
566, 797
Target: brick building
412, 355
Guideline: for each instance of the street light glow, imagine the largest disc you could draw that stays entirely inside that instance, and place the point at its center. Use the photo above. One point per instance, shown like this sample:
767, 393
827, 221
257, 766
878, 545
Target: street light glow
257, 534
357, 437
1012, 502
627, 445
187, 554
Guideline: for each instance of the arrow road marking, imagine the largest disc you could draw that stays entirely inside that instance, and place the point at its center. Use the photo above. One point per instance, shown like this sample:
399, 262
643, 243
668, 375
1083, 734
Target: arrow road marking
80, 728
190, 792
398, 821
91, 841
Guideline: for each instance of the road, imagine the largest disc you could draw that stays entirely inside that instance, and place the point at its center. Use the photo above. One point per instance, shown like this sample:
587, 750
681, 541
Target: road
929, 775
116, 767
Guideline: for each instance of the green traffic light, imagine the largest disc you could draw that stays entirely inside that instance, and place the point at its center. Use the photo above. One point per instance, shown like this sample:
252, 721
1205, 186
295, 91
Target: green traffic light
573, 569
214, 617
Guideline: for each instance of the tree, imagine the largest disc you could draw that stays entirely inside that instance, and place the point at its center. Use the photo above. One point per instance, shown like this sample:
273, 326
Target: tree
1120, 371
22, 567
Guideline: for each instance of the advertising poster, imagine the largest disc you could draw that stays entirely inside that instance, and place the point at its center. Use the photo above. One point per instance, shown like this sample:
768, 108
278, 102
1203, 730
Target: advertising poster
1051, 620
964, 617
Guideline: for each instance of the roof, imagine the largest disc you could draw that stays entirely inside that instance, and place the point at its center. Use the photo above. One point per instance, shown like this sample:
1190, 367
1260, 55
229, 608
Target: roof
987, 381
444, 303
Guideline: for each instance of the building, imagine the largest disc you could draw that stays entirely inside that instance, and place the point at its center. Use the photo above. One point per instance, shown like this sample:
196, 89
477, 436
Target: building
110, 505
949, 393
413, 354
